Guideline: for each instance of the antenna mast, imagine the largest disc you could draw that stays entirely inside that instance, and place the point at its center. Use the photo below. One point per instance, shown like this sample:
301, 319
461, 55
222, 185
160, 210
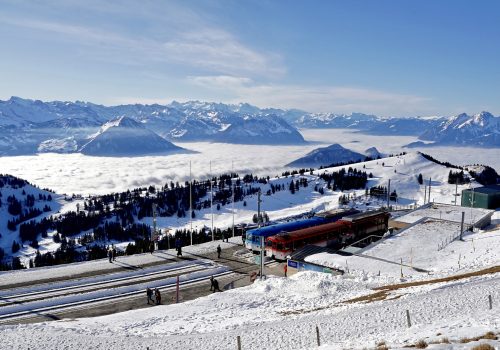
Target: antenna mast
190, 203
211, 202
232, 183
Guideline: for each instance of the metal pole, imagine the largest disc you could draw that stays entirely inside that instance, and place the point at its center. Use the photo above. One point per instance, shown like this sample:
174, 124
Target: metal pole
177, 291
153, 234
430, 180
456, 190
388, 193
190, 203
211, 202
258, 208
317, 336
425, 192
261, 257
408, 318
232, 183
462, 225
238, 340
261, 238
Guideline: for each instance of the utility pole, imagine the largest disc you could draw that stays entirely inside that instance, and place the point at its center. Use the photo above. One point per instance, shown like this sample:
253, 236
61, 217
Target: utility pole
425, 193
232, 183
472, 205
261, 238
388, 193
462, 225
430, 180
211, 202
191, 203
258, 208
153, 234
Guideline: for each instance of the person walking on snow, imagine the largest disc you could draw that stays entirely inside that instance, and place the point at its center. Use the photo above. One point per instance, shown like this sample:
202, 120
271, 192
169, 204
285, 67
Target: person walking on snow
219, 250
110, 255
113, 251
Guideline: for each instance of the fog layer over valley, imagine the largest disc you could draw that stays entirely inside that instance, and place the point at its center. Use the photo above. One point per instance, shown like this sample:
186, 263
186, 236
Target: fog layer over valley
99, 175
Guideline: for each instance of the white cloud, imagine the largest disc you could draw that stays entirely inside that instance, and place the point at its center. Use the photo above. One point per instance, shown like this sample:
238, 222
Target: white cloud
200, 47
220, 51
314, 98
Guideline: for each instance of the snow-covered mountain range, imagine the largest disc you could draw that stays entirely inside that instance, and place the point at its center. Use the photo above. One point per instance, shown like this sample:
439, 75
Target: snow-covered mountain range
29, 127
32, 126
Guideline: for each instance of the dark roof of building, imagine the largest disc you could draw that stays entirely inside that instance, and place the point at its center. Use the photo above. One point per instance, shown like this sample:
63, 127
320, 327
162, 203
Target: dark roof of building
308, 250
362, 215
490, 189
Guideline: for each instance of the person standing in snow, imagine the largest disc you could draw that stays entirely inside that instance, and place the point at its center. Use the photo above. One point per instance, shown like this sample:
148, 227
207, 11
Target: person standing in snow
149, 293
216, 286
113, 251
219, 250
157, 296
110, 255
211, 283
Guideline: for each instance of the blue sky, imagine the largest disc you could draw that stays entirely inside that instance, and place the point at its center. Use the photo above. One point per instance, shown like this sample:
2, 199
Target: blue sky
391, 58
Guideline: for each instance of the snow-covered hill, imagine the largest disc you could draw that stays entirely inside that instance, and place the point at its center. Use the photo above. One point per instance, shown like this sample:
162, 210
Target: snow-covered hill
325, 156
21, 202
125, 137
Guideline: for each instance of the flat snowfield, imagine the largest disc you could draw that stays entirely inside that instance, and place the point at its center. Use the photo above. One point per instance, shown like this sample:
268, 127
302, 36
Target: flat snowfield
100, 175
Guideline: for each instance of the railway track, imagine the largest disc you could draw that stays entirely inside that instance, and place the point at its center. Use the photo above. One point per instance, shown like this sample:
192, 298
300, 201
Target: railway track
102, 282
48, 303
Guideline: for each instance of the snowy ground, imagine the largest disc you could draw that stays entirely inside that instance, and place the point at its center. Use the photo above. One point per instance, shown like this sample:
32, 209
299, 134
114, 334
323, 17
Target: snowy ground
419, 247
281, 313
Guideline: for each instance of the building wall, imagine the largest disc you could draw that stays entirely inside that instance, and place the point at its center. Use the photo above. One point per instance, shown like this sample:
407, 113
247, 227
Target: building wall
480, 200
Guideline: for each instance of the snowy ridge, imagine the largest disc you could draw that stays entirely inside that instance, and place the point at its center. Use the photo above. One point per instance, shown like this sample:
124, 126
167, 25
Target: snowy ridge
480, 129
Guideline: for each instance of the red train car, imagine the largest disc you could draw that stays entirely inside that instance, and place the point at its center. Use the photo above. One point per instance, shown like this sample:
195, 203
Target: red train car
336, 234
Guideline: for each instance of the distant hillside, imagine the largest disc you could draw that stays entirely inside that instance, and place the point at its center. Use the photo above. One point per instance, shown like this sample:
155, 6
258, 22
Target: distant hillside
125, 137
32, 126
327, 155
481, 129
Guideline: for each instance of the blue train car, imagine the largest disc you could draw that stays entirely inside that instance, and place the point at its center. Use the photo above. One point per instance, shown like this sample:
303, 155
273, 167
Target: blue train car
252, 240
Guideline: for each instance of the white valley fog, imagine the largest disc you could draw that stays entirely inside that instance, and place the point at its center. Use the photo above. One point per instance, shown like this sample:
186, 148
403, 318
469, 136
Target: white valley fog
80, 174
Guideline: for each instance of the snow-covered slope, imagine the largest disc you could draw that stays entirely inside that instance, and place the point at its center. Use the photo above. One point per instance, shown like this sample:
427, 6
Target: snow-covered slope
44, 201
481, 129
125, 137
325, 156
269, 129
